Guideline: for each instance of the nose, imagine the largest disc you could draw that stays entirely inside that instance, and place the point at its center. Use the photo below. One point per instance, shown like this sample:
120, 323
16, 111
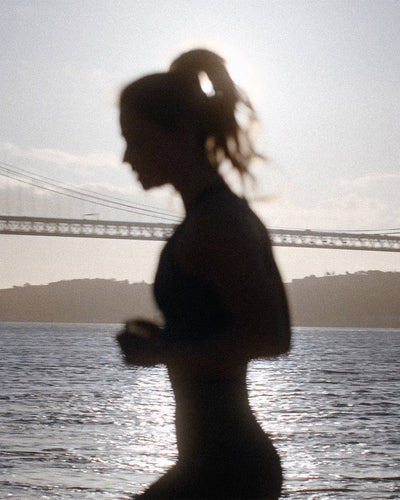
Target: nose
128, 156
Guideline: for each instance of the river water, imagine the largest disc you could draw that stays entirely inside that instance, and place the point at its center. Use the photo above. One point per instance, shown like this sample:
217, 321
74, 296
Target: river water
75, 423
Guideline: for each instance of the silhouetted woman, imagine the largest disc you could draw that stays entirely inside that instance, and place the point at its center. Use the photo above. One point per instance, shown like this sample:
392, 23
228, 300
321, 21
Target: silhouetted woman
217, 283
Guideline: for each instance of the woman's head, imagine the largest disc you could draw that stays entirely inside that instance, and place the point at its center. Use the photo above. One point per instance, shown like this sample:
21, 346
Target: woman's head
176, 101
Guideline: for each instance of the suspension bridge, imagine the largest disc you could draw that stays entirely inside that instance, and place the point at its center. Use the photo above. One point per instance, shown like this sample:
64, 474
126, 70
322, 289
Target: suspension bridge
161, 224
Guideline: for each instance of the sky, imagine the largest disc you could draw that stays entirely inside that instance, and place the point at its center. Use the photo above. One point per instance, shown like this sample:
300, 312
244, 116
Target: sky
322, 75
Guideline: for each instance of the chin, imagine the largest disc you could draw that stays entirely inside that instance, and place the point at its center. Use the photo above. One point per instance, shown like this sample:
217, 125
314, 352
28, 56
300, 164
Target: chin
150, 185
147, 185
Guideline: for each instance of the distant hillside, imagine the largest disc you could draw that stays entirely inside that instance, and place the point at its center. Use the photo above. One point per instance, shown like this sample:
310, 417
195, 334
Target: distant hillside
364, 299
78, 301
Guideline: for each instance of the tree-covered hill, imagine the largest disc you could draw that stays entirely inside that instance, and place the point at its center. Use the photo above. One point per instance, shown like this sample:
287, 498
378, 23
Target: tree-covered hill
78, 301
364, 299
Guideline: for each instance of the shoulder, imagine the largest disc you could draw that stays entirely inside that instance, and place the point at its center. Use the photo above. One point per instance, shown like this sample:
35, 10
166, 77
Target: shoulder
222, 231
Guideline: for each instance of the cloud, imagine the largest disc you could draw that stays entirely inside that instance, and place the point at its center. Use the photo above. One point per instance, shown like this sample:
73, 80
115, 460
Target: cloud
370, 181
107, 200
59, 157
351, 211
365, 202
9, 148
384, 188
98, 159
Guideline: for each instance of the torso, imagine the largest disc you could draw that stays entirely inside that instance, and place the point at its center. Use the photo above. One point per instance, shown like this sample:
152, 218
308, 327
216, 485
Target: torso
214, 424
191, 307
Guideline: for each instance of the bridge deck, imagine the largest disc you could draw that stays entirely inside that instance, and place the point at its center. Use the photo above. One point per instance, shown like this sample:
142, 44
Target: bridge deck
84, 228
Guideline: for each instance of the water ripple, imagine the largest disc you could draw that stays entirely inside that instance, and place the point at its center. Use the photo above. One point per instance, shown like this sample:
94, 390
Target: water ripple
76, 424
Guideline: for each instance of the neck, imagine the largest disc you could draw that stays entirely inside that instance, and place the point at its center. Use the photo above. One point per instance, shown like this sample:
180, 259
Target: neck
194, 179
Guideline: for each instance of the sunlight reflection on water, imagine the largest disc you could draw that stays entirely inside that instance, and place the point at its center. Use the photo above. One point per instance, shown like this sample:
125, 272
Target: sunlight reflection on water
76, 424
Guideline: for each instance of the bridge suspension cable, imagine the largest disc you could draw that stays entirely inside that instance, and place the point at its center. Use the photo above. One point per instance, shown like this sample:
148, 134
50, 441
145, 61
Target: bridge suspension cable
378, 240
48, 184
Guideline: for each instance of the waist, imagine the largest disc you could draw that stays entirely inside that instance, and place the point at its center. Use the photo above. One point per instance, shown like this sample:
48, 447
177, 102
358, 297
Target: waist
212, 404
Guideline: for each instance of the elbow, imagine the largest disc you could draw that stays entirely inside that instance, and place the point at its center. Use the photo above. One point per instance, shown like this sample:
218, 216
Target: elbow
284, 336
283, 345
283, 333
270, 345
279, 341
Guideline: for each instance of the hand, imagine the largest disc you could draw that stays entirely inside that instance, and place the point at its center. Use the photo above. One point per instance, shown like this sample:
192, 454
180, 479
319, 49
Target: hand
139, 342
143, 328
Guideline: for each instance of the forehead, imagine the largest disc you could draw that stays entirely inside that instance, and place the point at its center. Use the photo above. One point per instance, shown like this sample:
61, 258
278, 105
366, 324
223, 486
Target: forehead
132, 124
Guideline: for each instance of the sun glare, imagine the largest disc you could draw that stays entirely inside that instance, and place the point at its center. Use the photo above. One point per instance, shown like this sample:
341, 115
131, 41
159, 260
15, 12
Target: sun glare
240, 70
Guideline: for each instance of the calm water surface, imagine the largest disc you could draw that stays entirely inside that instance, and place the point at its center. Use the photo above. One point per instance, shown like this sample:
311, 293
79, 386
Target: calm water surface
76, 424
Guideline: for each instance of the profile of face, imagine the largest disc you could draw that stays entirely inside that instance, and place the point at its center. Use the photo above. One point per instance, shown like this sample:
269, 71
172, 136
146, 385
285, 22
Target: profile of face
148, 150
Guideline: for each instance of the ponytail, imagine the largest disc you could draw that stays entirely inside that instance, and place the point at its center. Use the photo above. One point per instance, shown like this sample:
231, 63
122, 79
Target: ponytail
222, 135
176, 96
